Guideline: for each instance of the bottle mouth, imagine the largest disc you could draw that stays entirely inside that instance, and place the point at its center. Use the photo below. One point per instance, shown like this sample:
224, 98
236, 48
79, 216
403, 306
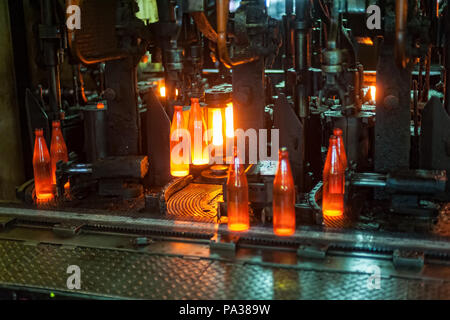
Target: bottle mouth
39, 132
283, 152
337, 131
56, 124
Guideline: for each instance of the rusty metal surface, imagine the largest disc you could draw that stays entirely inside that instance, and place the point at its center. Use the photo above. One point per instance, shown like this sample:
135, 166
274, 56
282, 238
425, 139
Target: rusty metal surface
442, 226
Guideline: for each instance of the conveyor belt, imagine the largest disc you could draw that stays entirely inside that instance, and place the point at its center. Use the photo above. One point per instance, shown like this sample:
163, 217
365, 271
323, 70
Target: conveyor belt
196, 202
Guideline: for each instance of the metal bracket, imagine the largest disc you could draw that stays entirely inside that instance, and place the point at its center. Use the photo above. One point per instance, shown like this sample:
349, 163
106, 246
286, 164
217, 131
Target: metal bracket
6, 222
142, 242
224, 242
65, 230
408, 259
312, 251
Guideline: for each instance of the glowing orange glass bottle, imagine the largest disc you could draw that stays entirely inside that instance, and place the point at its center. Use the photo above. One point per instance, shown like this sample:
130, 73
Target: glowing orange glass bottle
237, 197
179, 155
58, 148
333, 182
198, 129
283, 197
341, 148
42, 168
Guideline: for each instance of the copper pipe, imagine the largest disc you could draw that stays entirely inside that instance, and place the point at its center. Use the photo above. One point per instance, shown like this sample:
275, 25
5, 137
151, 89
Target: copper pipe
204, 26
401, 16
222, 7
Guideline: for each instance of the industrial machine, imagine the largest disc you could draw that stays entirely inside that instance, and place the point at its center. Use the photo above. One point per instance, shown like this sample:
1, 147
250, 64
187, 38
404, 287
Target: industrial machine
283, 74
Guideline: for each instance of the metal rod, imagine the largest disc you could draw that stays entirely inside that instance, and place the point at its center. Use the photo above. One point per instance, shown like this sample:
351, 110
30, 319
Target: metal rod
301, 99
303, 234
369, 180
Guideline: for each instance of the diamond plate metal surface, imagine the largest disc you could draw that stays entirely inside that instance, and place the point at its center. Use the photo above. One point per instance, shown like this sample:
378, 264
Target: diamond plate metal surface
128, 274
232, 281
111, 273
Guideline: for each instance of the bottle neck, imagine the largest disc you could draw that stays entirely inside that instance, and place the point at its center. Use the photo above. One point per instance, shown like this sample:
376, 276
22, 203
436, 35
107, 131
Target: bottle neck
283, 161
178, 116
57, 130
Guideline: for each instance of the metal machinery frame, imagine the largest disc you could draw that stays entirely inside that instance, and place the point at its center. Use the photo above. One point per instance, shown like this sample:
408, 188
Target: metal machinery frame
136, 232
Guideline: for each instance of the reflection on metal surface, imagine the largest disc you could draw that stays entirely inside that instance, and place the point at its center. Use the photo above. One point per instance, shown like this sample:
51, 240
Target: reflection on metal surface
358, 238
197, 202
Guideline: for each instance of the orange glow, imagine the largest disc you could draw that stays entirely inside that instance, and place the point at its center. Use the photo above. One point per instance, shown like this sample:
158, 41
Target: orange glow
333, 182
45, 198
229, 131
283, 197
237, 197
229, 121
198, 131
100, 106
365, 40
178, 167
373, 93
341, 148
58, 148
162, 91
217, 127
42, 169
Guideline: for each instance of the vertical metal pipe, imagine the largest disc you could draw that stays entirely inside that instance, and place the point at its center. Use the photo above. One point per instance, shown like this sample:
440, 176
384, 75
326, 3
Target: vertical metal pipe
447, 73
426, 89
301, 99
415, 141
302, 57
288, 59
51, 58
401, 16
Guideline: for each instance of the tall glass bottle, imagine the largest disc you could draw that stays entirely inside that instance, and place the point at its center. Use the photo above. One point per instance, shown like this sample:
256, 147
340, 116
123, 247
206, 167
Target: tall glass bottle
198, 130
333, 182
179, 155
283, 197
237, 197
58, 148
338, 133
42, 168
